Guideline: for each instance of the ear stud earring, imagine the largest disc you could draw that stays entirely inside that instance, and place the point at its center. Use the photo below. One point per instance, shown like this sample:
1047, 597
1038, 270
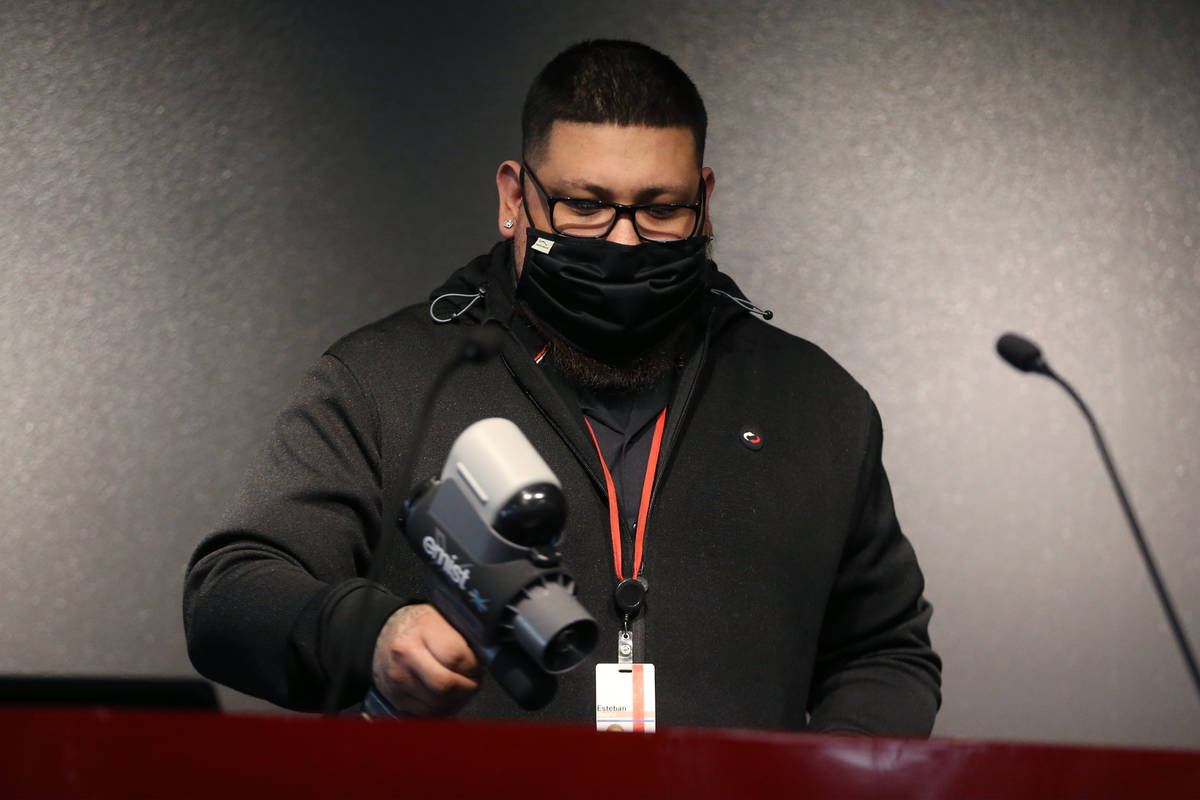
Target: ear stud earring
508, 223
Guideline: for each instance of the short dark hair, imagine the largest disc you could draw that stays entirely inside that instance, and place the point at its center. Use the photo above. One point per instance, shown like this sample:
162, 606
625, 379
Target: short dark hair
609, 80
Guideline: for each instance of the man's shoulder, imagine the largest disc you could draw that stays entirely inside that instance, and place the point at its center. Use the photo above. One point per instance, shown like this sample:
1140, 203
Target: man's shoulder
785, 359
412, 334
407, 331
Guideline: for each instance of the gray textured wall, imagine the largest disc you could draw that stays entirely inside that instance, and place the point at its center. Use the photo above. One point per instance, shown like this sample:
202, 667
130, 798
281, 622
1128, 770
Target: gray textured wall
195, 198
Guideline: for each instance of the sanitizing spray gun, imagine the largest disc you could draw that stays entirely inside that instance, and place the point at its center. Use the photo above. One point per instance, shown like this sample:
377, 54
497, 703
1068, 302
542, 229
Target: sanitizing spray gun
487, 529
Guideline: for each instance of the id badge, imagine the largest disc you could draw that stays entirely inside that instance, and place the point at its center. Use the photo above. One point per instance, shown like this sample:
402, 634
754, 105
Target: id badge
625, 697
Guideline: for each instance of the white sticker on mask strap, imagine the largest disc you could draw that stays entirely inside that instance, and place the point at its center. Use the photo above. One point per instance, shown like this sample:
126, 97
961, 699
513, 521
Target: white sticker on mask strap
543, 245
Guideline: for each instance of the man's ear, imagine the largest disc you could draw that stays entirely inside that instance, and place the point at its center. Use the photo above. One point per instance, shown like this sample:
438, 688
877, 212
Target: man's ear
710, 183
508, 187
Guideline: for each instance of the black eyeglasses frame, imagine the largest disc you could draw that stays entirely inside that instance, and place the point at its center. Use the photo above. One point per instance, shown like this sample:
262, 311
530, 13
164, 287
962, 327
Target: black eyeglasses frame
622, 209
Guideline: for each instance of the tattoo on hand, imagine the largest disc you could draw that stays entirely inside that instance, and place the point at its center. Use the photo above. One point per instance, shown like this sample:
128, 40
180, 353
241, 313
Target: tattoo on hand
405, 620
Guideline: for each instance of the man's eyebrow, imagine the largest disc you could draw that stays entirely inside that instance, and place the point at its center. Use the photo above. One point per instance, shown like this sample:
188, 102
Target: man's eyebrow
644, 195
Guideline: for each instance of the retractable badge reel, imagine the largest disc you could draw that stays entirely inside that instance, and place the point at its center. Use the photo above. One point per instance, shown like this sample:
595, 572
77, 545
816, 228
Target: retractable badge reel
625, 690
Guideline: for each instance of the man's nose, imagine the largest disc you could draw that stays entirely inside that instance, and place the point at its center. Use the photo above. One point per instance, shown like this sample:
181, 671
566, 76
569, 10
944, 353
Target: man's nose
623, 232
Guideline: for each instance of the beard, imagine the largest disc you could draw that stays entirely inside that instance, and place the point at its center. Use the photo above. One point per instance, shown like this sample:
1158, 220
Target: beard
639, 374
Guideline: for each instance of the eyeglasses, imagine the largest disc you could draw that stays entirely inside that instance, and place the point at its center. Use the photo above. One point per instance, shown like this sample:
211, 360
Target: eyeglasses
589, 218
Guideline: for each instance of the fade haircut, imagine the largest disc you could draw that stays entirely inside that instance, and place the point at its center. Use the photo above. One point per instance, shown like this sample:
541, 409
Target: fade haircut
611, 81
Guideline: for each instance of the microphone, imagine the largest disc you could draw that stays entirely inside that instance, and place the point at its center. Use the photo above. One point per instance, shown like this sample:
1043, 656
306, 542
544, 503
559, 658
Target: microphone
1026, 356
478, 346
1021, 353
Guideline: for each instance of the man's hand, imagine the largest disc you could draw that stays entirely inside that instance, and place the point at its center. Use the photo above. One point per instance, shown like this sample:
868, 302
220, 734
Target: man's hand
422, 665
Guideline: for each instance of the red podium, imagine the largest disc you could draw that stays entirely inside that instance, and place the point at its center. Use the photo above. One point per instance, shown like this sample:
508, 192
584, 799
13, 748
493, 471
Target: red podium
126, 754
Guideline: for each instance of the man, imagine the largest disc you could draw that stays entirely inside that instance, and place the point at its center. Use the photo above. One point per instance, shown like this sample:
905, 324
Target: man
730, 470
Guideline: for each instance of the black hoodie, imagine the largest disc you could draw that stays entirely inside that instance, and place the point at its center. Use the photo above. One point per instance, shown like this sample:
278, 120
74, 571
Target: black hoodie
782, 592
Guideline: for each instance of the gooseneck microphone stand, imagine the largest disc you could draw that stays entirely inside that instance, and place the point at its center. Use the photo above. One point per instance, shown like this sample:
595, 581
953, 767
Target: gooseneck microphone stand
1024, 355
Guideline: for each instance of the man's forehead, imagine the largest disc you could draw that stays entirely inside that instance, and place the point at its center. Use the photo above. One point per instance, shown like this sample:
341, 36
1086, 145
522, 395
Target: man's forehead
584, 155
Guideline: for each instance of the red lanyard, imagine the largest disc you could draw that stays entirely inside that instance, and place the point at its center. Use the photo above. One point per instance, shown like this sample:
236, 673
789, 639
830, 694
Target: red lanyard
614, 517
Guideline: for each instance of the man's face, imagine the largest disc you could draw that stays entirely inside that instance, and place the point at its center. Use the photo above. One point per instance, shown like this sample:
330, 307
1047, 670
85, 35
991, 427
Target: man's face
623, 164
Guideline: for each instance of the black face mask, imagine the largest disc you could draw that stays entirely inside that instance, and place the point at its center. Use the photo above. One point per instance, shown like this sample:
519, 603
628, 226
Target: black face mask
612, 301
